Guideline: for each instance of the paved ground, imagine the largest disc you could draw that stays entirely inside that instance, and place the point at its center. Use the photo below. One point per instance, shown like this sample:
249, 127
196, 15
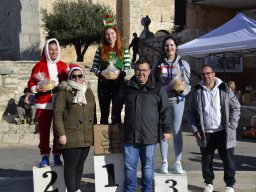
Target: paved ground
16, 164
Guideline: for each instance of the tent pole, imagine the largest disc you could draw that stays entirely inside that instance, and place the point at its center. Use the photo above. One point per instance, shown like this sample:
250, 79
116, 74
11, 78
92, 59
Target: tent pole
224, 66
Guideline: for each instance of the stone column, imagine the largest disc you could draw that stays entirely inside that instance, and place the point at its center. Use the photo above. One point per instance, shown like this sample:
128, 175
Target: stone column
132, 12
30, 30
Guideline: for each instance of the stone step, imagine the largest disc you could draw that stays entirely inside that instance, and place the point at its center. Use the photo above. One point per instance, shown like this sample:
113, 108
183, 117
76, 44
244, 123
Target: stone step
13, 134
21, 139
10, 133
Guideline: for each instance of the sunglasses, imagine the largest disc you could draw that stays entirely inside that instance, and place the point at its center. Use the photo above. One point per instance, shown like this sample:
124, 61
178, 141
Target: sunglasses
77, 76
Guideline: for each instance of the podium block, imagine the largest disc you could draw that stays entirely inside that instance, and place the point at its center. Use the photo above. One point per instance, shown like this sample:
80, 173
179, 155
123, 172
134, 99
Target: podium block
171, 182
109, 172
50, 178
106, 141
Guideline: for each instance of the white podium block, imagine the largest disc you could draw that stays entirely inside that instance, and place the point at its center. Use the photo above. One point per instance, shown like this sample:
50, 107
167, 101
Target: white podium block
50, 178
109, 172
171, 182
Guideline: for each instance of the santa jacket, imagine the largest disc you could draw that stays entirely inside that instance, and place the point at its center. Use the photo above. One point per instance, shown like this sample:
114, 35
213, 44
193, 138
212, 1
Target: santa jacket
44, 100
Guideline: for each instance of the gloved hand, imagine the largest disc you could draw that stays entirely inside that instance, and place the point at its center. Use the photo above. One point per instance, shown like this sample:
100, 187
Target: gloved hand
121, 76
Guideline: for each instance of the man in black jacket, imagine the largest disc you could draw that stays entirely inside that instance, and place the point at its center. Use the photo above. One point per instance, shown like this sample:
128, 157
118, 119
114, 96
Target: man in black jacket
146, 121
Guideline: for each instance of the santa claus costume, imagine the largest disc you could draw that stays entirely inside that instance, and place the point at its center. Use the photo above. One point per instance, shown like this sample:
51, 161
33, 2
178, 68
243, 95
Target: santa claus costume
49, 68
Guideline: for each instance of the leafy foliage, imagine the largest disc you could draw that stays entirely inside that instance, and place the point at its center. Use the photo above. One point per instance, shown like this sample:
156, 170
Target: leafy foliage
77, 23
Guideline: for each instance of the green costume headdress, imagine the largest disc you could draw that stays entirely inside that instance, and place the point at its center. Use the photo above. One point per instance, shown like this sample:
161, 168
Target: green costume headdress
109, 21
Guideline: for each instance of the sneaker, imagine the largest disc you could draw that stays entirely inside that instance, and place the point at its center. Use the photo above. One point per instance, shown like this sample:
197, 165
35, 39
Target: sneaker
177, 168
32, 122
229, 189
78, 190
208, 188
45, 161
20, 122
164, 167
57, 161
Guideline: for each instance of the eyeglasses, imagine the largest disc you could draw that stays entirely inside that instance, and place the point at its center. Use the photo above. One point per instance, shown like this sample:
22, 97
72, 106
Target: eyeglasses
141, 70
77, 76
207, 73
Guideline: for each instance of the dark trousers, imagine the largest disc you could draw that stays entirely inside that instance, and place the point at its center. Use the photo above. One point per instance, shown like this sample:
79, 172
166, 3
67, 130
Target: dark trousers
134, 54
74, 159
108, 90
218, 141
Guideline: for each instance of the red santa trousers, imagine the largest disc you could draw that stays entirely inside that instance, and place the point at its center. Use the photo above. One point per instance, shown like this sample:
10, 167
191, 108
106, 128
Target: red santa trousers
44, 126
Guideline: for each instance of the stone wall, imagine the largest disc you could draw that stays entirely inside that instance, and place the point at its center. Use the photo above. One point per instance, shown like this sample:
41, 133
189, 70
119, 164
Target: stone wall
13, 80
129, 15
13, 83
161, 16
22, 37
19, 29
11, 134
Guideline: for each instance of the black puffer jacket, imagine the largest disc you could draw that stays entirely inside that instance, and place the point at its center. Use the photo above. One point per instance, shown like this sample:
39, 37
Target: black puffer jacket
147, 113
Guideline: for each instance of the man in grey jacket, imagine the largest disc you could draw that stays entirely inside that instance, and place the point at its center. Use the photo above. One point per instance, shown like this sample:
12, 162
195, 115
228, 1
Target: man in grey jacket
214, 112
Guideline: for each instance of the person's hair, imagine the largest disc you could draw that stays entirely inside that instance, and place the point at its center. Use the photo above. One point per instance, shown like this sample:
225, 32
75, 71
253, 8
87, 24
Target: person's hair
52, 42
134, 34
105, 48
142, 61
168, 38
26, 90
207, 65
163, 52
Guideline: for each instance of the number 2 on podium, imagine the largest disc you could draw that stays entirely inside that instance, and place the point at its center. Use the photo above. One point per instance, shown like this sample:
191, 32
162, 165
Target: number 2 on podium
52, 181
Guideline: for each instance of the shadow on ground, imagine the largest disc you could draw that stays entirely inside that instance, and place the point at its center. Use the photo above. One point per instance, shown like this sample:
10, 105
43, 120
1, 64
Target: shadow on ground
17, 173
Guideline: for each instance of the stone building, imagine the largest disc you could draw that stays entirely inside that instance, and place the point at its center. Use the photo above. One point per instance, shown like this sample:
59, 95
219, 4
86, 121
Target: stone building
22, 37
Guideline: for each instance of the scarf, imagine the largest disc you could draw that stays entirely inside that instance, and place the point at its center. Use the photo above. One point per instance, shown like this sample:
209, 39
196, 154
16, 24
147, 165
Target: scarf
79, 98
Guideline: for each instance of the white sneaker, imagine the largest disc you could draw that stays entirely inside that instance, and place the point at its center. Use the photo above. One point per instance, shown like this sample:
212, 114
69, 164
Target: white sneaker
229, 189
78, 190
177, 168
164, 167
208, 188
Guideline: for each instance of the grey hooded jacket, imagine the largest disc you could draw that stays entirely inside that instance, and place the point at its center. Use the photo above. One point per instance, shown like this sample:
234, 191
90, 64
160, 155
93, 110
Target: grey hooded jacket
230, 110
165, 80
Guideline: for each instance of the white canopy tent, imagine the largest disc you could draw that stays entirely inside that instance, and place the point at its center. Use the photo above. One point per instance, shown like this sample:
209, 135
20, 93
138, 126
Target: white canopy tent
237, 36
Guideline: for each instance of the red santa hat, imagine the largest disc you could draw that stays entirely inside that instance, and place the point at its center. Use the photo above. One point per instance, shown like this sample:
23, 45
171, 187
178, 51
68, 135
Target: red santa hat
73, 67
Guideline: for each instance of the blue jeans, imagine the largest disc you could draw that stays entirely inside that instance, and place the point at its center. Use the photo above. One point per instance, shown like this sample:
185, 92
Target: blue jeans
132, 153
177, 110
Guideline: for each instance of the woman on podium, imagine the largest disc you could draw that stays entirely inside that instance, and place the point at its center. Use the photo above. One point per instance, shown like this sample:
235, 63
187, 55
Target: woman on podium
74, 117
